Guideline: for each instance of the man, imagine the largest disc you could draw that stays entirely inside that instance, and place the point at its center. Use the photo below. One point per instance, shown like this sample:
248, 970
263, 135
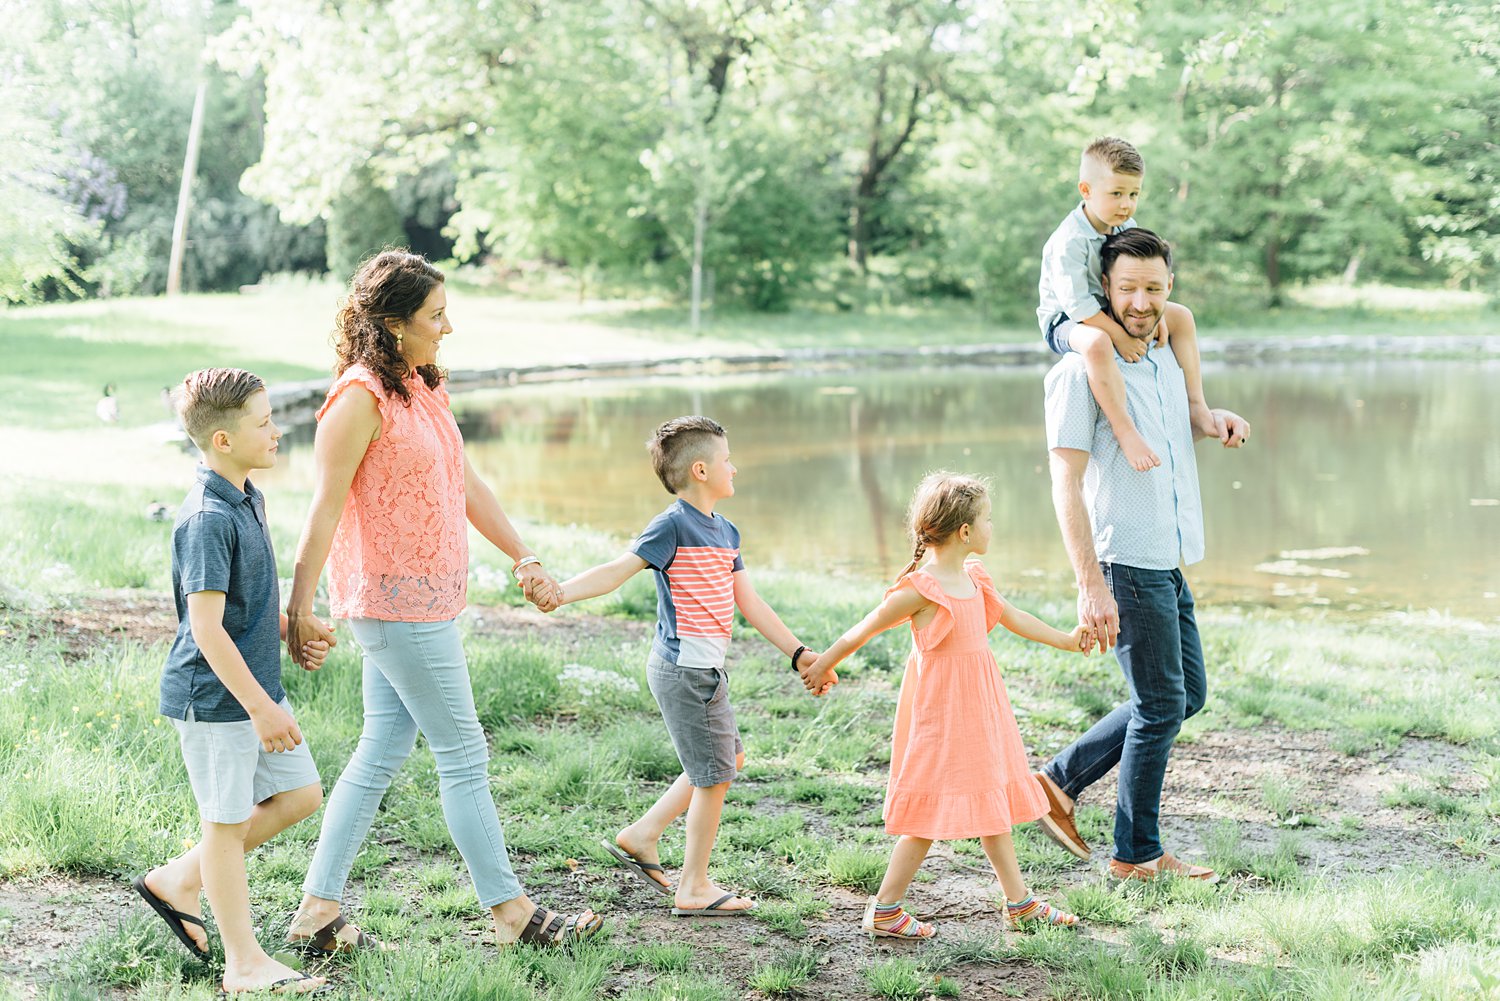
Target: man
1127, 533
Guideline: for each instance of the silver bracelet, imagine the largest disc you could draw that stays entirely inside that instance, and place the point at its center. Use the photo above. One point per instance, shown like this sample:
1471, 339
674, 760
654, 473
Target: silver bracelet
525, 561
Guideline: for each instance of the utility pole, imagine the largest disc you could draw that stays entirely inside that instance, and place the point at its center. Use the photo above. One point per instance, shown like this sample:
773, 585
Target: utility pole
185, 195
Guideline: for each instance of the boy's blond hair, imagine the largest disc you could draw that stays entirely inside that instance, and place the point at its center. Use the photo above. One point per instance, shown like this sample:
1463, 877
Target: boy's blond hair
678, 444
213, 399
1113, 154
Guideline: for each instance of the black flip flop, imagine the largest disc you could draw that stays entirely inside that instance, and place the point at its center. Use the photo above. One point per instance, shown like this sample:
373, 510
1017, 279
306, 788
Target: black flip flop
272, 989
713, 910
641, 869
176, 920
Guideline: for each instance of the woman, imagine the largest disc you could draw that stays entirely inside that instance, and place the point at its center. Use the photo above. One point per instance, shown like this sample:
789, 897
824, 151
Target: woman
393, 490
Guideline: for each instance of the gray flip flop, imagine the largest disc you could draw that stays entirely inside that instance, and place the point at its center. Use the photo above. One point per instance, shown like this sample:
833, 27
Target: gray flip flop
642, 870
713, 910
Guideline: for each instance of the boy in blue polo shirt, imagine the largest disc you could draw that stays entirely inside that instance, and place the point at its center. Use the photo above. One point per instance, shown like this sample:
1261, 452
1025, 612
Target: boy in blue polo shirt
249, 768
700, 580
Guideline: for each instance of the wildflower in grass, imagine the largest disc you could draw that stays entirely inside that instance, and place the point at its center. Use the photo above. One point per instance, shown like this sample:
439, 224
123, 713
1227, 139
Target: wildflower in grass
17, 678
590, 683
489, 578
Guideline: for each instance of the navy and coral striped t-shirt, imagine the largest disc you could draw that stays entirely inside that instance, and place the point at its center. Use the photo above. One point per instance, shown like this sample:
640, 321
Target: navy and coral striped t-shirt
695, 557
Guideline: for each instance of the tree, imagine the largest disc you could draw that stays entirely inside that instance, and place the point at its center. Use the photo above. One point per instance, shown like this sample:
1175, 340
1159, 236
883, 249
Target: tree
1299, 139
37, 221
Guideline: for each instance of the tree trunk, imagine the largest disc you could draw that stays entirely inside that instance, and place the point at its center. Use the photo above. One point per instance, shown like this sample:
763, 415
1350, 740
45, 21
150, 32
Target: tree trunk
1273, 264
1273, 221
700, 231
185, 195
859, 218
1351, 270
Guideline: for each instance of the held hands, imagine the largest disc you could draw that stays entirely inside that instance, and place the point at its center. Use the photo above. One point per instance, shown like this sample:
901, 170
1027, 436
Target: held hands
1098, 613
539, 588
314, 652
275, 728
1081, 640
308, 639
818, 681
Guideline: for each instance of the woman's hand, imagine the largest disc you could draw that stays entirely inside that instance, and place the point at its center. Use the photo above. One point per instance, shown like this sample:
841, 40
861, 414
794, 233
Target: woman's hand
302, 630
539, 587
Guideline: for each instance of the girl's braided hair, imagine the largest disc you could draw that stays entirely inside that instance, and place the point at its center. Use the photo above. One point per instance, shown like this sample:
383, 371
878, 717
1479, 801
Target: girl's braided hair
944, 503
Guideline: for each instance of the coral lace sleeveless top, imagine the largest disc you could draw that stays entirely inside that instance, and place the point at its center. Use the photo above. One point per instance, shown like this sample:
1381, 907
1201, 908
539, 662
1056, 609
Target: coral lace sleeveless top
401, 551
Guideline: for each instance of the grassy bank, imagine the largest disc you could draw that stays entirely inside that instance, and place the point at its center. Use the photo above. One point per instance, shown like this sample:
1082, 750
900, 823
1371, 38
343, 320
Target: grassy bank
1345, 776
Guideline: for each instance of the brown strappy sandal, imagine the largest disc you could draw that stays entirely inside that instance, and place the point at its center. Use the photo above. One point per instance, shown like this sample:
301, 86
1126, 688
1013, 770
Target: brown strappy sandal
560, 930
325, 941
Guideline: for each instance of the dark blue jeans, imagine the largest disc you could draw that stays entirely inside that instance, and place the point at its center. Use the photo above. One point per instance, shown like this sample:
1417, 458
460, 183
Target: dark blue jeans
1162, 659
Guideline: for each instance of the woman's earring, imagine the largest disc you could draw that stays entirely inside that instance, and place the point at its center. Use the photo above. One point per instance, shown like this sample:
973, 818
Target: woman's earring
398, 341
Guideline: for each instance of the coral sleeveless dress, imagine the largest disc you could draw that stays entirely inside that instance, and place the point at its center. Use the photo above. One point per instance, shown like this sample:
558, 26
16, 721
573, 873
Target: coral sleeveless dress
958, 768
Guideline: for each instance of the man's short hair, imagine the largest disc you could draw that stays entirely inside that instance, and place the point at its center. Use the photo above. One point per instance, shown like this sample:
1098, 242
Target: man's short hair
1116, 154
678, 444
1138, 243
213, 399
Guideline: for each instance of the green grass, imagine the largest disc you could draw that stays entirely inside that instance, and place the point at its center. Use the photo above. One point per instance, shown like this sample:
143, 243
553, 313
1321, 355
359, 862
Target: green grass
857, 869
665, 957
785, 972
99, 792
900, 979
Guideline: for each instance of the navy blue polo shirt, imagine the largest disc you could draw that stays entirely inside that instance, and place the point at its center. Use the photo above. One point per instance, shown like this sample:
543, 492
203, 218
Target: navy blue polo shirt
220, 542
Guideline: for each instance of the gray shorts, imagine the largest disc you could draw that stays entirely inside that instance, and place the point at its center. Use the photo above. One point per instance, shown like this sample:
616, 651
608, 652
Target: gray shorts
229, 771
694, 702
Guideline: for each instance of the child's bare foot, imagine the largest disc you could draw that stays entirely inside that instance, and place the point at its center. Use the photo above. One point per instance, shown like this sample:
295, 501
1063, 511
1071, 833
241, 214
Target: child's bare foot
268, 975
710, 901
645, 853
1137, 452
181, 892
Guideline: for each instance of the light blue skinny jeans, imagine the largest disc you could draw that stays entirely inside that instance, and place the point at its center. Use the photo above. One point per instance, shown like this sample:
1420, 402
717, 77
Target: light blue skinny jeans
415, 679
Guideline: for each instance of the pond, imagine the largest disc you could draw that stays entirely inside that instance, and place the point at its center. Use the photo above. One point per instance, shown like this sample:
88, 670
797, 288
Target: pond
1367, 485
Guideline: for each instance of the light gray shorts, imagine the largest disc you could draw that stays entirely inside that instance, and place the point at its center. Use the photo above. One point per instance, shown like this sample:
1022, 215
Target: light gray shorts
230, 772
694, 702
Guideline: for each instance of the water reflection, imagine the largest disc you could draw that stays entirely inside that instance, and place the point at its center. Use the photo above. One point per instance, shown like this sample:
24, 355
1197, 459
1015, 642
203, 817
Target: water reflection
1399, 460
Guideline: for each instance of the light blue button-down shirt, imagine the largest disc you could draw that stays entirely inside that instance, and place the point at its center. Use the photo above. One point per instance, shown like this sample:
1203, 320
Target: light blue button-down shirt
1151, 520
1070, 269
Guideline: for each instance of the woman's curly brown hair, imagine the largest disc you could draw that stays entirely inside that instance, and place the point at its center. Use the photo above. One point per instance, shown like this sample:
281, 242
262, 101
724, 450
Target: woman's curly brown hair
392, 285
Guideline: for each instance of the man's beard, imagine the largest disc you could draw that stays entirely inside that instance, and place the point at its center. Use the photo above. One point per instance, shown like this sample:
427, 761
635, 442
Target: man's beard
1125, 322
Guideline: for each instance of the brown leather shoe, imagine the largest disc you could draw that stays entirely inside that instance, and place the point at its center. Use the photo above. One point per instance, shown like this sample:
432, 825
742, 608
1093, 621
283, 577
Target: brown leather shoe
1168, 863
1057, 822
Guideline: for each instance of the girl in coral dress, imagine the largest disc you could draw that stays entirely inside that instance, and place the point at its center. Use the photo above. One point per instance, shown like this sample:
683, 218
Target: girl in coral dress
958, 769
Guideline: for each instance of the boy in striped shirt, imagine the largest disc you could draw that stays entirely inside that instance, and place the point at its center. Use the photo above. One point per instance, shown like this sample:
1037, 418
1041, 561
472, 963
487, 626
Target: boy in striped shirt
700, 580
